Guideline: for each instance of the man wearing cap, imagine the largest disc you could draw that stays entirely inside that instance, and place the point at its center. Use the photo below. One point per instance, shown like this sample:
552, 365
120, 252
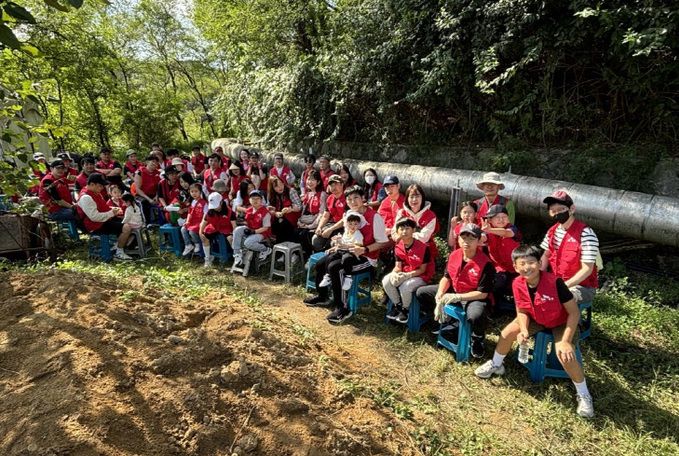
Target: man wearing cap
392, 203
490, 185
571, 248
71, 173
468, 283
281, 170
38, 171
99, 218
258, 172
198, 161
325, 170
110, 169
54, 193
146, 185
331, 221
132, 165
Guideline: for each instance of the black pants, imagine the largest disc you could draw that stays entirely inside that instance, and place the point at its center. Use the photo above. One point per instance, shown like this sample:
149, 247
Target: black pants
111, 226
304, 236
145, 208
477, 311
282, 229
339, 265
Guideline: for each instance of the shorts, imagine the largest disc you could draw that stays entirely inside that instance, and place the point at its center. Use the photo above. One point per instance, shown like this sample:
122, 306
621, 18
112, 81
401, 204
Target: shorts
557, 331
111, 226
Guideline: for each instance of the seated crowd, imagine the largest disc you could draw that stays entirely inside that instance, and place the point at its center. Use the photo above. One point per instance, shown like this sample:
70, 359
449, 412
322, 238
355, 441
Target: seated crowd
356, 226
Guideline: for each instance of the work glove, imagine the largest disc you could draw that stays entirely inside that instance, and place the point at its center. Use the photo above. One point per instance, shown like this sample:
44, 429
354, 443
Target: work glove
396, 278
439, 314
450, 298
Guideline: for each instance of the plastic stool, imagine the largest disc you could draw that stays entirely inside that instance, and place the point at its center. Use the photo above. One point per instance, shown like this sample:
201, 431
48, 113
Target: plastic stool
544, 364
249, 256
101, 246
143, 243
220, 249
71, 227
461, 347
287, 249
586, 322
359, 295
170, 239
311, 277
156, 216
415, 316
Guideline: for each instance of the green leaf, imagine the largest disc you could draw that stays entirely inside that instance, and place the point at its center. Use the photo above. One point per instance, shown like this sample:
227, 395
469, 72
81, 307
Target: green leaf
6, 137
7, 37
19, 12
55, 4
76, 3
30, 50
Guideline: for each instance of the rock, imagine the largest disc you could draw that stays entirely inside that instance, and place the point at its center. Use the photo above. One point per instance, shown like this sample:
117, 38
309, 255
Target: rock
292, 406
175, 339
248, 443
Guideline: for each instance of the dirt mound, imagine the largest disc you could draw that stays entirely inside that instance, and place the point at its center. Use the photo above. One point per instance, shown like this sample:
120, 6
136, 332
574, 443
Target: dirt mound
89, 368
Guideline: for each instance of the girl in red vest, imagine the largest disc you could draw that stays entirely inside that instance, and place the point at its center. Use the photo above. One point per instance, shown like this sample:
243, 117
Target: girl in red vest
191, 228
257, 228
467, 215
116, 200
414, 268
236, 176
285, 207
313, 208
373, 189
219, 219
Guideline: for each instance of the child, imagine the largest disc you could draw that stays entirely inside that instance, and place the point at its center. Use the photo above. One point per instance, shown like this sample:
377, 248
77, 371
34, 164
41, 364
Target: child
219, 219
502, 238
467, 215
115, 200
132, 215
353, 222
257, 228
191, 227
414, 268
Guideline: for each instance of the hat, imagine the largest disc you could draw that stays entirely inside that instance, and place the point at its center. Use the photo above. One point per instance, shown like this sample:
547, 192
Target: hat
38, 156
130, 152
219, 186
472, 229
214, 200
278, 155
390, 180
559, 197
64, 156
490, 178
334, 178
58, 164
170, 169
256, 193
405, 221
177, 161
254, 154
234, 166
96, 178
496, 209
362, 223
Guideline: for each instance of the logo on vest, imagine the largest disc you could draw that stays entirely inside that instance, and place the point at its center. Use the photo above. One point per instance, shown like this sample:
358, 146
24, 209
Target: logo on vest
415, 257
571, 240
473, 272
547, 298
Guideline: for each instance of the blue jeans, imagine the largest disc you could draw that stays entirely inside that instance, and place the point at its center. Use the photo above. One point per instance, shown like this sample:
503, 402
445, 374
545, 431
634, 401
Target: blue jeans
190, 237
62, 215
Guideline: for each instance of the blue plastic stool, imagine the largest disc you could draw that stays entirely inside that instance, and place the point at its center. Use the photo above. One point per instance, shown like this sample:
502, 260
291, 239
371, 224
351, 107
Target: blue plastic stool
311, 277
170, 239
359, 295
461, 347
220, 249
70, 227
415, 316
544, 364
586, 322
101, 246
156, 216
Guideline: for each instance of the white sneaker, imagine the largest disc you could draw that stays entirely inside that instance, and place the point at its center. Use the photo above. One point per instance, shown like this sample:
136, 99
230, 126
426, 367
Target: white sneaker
347, 283
122, 256
585, 406
326, 281
264, 254
208, 261
187, 250
237, 258
487, 369
196, 248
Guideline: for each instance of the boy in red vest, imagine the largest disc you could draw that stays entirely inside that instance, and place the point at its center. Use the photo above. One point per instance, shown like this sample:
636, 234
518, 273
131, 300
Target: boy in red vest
571, 248
543, 301
414, 269
468, 282
502, 238
256, 229
490, 185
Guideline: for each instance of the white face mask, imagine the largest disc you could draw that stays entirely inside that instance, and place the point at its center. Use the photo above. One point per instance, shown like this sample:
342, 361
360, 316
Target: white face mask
370, 180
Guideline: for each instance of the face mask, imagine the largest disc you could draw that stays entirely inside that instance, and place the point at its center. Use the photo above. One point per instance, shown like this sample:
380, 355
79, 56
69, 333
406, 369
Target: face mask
370, 180
562, 217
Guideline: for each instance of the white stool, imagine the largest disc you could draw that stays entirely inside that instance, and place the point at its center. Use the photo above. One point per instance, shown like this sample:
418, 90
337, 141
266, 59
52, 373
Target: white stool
287, 249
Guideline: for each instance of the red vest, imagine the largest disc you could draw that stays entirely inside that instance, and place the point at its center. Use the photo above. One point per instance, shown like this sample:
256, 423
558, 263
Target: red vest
388, 212
110, 165
255, 219
132, 168
305, 175
466, 279
368, 232
500, 251
312, 202
149, 182
195, 215
423, 218
546, 309
565, 262
209, 177
413, 258
62, 188
101, 207
111, 204
372, 195
198, 163
235, 183
336, 207
285, 172
483, 207
218, 223
168, 193
325, 177
283, 202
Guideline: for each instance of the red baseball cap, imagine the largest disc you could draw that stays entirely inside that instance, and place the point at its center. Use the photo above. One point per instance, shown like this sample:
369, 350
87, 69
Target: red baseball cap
559, 197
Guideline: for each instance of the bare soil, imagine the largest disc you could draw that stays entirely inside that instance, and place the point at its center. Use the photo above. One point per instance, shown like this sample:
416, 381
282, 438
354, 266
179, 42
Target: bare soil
87, 370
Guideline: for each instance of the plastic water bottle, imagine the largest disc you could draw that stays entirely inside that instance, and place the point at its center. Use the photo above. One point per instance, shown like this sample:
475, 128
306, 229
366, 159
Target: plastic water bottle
523, 353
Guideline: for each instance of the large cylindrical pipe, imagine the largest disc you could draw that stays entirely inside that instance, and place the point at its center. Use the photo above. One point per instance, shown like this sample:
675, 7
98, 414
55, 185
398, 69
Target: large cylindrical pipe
639, 215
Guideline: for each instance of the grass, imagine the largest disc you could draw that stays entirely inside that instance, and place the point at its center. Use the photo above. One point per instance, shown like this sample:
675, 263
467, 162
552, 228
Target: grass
631, 363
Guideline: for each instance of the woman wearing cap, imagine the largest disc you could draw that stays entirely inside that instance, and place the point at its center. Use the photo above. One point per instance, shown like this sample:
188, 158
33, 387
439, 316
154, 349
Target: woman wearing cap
373, 189
416, 208
490, 185
219, 219
285, 207
236, 176
313, 208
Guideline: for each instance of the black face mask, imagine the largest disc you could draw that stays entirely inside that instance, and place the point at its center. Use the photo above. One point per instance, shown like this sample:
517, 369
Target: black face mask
561, 217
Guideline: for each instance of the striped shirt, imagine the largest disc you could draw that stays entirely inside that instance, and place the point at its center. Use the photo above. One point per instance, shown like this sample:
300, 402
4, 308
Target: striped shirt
589, 243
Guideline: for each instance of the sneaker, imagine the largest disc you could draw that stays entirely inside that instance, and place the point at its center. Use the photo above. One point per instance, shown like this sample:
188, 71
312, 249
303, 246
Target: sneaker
187, 250
339, 315
488, 369
208, 261
263, 255
327, 302
478, 347
585, 406
122, 256
347, 283
393, 313
451, 326
325, 282
402, 316
313, 299
196, 248
237, 258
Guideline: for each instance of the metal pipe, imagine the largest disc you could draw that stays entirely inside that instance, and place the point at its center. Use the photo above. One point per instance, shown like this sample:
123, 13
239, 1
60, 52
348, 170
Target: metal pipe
632, 214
